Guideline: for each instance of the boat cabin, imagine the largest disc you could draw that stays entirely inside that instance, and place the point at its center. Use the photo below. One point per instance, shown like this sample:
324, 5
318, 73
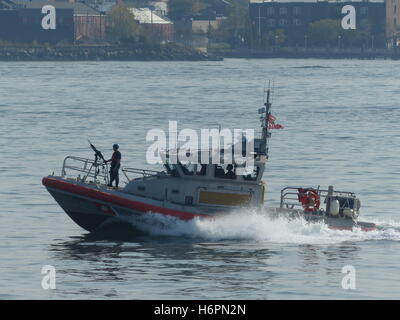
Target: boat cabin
198, 184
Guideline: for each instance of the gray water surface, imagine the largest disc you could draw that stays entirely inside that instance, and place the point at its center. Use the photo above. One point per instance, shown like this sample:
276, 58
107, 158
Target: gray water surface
342, 127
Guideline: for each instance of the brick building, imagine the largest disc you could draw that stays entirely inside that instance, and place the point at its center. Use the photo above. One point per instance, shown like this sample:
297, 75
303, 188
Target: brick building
21, 24
160, 26
393, 22
89, 24
75, 21
294, 18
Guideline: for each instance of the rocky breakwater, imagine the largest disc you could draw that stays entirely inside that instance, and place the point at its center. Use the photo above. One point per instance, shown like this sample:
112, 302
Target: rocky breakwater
168, 52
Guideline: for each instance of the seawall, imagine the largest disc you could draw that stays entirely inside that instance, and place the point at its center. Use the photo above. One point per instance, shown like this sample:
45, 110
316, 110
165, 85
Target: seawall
103, 53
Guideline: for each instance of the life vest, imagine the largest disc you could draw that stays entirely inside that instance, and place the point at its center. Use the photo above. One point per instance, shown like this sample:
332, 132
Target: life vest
309, 199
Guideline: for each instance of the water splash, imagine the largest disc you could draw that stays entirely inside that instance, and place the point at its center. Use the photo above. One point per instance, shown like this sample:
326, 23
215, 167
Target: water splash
259, 227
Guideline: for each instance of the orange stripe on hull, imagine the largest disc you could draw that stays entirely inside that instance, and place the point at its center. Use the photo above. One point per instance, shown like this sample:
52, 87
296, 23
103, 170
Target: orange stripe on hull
114, 199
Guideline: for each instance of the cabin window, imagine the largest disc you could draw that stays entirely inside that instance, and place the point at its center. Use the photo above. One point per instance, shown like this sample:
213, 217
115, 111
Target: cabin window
253, 176
171, 169
225, 171
194, 169
201, 170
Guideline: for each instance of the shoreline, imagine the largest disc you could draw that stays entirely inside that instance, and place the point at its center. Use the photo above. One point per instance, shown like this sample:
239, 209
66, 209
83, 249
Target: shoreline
176, 52
169, 52
294, 53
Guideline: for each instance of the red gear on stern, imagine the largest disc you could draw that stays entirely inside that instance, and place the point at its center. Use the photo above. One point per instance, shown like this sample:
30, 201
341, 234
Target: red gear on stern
309, 199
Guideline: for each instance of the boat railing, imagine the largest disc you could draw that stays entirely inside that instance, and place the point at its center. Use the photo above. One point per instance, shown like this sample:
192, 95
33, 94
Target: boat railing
289, 198
290, 195
134, 173
87, 169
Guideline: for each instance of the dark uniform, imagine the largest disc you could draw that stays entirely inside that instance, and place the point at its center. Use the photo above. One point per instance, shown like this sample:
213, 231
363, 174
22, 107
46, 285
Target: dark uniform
115, 165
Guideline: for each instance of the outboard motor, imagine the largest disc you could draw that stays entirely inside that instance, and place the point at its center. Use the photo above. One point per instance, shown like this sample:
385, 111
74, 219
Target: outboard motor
342, 204
351, 207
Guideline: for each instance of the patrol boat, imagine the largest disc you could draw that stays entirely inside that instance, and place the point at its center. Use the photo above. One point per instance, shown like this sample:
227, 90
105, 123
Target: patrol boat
193, 190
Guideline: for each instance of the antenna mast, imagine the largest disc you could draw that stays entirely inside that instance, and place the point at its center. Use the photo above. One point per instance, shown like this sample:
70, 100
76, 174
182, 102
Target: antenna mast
265, 119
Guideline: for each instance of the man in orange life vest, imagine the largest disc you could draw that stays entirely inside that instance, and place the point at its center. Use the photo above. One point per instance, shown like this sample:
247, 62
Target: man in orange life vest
115, 165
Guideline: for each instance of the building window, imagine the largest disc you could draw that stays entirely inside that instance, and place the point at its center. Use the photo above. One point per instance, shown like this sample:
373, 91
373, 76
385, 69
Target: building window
364, 22
283, 10
297, 22
364, 11
296, 11
271, 22
282, 22
271, 11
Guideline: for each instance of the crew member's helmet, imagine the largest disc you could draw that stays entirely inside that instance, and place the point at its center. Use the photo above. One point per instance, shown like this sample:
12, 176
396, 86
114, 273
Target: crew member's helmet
115, 146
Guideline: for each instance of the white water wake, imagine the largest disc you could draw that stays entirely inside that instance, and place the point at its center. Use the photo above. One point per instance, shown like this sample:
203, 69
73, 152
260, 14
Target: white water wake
260, 227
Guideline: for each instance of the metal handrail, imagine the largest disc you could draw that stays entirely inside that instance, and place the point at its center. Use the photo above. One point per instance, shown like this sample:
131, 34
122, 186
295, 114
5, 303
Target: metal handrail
291, 193
89, 167
142, 172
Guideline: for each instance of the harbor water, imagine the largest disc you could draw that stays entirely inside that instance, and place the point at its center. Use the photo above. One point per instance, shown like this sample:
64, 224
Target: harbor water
341, 127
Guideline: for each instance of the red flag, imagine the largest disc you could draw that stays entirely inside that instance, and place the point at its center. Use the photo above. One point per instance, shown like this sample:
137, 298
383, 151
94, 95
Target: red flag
271, 118
275, 126
272, 124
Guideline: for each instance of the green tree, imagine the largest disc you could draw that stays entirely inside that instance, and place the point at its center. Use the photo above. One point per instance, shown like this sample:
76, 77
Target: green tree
359, 37
122, 24
235, 29
324, 33
274, 38
179, 9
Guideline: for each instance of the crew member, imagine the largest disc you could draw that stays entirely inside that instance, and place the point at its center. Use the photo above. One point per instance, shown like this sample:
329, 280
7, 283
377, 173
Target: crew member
115, 165
230, 174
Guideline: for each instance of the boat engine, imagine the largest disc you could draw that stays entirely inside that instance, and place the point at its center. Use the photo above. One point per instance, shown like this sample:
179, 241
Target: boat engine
342, 204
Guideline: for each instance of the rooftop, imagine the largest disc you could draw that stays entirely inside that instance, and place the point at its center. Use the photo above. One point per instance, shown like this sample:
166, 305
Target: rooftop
145, 15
